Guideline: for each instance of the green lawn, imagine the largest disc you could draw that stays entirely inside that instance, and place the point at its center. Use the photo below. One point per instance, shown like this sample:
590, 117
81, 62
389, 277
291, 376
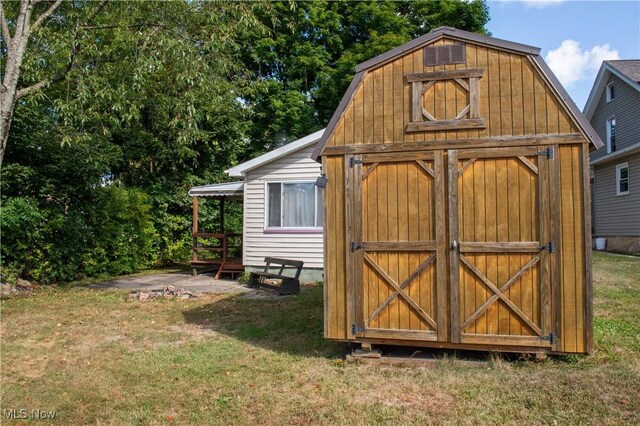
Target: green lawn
95, 358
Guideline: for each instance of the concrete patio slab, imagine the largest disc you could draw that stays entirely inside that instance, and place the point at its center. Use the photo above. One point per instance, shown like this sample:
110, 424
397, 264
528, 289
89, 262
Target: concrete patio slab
202, 283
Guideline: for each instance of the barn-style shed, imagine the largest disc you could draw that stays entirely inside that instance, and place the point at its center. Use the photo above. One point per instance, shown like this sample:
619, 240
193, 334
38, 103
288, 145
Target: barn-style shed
457, 201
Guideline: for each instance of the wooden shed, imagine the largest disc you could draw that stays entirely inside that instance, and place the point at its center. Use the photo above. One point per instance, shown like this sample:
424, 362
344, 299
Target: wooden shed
457, 201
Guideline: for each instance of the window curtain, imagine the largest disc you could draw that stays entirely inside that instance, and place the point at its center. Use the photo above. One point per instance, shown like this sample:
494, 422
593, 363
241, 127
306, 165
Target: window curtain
274, 205
298, 205
319, 207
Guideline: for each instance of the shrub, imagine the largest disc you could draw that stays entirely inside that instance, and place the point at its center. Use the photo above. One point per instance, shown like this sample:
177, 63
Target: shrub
110, 234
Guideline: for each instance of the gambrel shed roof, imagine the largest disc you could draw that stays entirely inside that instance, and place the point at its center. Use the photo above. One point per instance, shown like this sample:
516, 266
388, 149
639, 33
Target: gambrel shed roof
453, 34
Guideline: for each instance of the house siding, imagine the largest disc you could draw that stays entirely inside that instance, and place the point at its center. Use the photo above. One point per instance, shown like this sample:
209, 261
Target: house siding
308, 247
625, 108
617, 215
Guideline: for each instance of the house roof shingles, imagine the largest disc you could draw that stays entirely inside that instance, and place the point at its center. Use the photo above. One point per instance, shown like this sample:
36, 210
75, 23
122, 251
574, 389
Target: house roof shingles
628, 67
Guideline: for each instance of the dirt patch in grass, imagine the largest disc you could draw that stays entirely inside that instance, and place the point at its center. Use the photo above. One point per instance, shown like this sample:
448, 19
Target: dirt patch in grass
98, 359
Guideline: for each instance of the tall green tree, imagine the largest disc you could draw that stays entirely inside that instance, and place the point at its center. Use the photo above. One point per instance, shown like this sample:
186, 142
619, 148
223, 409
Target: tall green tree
303, 65
106, 56
151, 105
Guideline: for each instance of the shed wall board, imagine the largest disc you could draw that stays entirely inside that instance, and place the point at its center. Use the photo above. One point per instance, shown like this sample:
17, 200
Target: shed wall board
336, 326
515, 100
297, 166
571, 249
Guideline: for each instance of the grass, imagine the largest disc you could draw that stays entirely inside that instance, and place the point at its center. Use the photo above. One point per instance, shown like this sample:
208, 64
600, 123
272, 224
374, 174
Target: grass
95, 358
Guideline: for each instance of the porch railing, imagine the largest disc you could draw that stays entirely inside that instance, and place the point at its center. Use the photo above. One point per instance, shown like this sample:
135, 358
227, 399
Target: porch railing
222, 247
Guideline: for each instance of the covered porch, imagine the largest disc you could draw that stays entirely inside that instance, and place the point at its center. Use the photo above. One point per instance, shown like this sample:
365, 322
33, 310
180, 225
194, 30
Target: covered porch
216, 248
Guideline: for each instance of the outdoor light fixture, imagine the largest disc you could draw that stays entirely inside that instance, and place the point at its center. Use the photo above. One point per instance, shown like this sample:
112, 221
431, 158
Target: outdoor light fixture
321, 182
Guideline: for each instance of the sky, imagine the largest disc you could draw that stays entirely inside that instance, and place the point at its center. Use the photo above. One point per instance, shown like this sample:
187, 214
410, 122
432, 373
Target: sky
575, 36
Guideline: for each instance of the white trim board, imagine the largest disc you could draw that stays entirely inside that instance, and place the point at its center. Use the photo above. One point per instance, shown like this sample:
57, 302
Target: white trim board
600, 84
241, 169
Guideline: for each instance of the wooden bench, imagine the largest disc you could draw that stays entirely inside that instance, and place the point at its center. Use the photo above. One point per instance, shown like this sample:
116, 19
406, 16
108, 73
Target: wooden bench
289, 284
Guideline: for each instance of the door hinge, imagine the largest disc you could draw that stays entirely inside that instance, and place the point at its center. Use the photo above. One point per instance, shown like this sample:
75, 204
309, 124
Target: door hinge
551, 247
551, 338
356, 329
353, 161
546, 152
355, 246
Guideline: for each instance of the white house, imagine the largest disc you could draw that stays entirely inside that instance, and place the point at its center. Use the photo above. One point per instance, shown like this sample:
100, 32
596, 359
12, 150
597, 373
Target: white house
282, 212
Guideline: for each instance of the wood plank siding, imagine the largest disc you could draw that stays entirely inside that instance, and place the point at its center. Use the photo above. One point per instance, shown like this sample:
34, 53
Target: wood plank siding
514, 99
335, 268
307, 247
477, 215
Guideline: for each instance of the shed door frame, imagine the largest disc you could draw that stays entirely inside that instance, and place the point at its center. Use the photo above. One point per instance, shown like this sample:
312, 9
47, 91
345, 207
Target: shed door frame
358, 257
447, 260
540, 249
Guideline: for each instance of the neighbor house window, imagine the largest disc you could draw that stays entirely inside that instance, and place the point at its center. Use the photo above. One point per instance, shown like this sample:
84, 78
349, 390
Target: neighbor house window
610, 92
294, 205
611, 134
622, 179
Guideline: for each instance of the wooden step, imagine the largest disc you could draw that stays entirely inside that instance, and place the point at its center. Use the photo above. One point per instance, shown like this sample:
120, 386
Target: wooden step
229, 268
206, 262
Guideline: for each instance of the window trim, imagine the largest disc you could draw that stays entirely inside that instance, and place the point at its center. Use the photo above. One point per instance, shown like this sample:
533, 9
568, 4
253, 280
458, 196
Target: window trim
608, 133
290, 229
619, 167
608, 92
468, 117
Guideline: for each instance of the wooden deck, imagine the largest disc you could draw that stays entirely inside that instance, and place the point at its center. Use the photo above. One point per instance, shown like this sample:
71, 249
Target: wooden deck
220, 251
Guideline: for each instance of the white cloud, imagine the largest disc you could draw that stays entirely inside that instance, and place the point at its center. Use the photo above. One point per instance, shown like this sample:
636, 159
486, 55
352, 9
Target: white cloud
541, 4
570, 63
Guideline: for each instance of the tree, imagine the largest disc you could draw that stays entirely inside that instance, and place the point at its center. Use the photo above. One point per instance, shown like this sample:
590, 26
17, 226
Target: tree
303, 65
150, 107
15, 47
74, 41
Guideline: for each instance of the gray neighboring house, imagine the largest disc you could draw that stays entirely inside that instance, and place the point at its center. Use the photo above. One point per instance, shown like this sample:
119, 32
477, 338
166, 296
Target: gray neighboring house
613, 108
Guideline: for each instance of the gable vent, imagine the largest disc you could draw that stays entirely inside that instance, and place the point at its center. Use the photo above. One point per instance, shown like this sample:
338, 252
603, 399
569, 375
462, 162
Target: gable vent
447, 54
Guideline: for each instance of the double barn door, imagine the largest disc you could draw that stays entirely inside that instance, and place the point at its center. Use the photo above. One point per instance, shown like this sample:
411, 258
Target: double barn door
451, 246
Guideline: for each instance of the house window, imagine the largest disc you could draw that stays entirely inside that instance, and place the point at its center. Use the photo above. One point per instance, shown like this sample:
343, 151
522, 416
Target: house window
294, 205
610, 92
622, 179
611, 135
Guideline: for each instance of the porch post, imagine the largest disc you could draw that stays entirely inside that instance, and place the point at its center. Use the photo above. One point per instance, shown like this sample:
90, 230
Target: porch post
222, 200
194, 252
195, 214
